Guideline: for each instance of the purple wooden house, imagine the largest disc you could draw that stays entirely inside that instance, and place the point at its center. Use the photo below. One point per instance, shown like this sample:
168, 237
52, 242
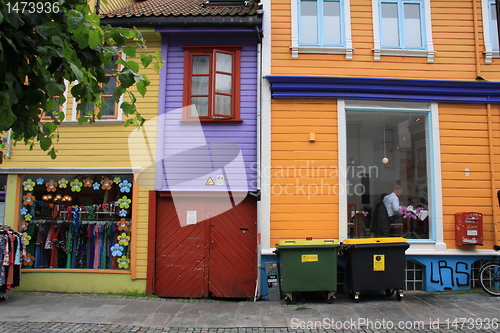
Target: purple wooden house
203, 219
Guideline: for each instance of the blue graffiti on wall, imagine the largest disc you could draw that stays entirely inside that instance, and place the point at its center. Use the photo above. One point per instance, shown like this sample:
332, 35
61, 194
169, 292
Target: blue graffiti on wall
445, 273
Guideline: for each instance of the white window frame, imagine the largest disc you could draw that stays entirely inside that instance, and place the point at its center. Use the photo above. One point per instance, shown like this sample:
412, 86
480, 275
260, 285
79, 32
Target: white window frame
62, 107
346, 19
489, 53
428, 46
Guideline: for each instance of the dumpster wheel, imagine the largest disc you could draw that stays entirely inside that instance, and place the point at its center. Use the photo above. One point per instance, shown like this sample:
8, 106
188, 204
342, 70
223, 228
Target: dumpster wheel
399, 295
330, 297
356, 296
288, 298
389, 292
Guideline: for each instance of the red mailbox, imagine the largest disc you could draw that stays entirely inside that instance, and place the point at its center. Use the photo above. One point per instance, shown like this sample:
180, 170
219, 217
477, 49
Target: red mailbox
469, 228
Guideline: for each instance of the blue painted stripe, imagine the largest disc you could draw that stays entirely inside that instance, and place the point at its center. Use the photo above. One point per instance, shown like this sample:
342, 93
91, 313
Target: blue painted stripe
385, 89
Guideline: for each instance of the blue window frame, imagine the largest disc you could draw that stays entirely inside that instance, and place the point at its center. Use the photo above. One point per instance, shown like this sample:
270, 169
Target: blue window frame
321, 23
493, 25
402, 24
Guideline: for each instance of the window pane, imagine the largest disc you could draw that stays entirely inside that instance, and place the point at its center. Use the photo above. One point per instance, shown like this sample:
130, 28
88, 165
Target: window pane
413, 25
110, 68
494, 27
223, 83
111, 85
224, 62
199, 85
390, 25
385, 149
109, 110
223, 104
201, 64
201, 106
332, 30
308, 22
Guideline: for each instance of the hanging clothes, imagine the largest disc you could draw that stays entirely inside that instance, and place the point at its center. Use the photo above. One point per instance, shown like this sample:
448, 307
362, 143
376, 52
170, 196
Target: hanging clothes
12, 254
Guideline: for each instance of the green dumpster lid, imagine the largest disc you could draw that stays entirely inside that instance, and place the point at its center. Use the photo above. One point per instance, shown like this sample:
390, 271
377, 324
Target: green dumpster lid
312, 242
374, 240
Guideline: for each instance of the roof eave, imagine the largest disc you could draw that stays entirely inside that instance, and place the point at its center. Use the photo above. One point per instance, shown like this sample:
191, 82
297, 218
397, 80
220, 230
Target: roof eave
185, 21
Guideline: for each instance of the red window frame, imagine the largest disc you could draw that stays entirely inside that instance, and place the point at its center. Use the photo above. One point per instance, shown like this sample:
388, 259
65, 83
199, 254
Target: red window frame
212, 115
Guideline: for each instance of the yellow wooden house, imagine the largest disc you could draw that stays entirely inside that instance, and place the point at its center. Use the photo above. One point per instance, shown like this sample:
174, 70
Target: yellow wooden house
369, 95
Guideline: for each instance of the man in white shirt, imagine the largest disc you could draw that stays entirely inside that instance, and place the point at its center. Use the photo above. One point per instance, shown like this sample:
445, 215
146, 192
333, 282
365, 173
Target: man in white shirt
391, 202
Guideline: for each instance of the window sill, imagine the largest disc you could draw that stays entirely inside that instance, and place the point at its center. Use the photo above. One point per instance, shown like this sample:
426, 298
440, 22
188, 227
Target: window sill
97, 122
209, 121
404, 53
321, 50
489, 55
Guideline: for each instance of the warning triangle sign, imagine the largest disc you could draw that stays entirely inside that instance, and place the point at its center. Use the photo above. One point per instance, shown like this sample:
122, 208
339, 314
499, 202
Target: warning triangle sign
210, 181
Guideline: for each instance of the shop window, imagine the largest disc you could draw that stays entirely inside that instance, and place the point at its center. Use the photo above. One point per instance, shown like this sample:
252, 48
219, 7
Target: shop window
76, 221
414, 275
211, 83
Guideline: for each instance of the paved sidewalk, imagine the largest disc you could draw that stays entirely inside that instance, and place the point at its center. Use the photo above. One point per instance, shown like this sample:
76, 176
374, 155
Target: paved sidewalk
418, 312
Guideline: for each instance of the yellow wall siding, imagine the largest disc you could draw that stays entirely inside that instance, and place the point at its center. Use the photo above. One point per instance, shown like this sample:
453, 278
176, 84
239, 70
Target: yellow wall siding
465, 144
304, 178
453, 38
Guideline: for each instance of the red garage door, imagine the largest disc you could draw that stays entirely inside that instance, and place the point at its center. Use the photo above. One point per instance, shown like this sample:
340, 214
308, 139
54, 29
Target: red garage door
216, 256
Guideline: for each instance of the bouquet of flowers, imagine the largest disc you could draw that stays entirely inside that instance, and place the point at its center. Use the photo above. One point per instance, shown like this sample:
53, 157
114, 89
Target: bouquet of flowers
410, 212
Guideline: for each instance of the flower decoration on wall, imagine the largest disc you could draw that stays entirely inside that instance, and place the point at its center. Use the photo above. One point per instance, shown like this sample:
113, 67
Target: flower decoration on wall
28, 184
28, 199
123, 239
96, 186
116, 250
124, 202
76, 185
125, 186
63, 183
23, 211
123, 225
117, 180
106, 183
25, 238
40, 181
123, 262
51, 185
29, 260
87, 182
28, 217
23, 225
122, 213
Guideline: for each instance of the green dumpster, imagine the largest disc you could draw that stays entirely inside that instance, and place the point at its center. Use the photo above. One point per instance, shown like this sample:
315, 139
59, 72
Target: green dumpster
376, 264
308, 265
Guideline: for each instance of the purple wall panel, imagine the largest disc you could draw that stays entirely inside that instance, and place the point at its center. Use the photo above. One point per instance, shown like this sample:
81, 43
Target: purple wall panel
193, 153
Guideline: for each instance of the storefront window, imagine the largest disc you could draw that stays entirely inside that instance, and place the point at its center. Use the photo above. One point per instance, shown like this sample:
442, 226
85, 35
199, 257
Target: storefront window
76, 221
387, 152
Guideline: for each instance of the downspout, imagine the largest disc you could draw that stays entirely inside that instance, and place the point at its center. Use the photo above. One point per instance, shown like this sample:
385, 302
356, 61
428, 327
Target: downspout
259, 175
476, 40
9, 144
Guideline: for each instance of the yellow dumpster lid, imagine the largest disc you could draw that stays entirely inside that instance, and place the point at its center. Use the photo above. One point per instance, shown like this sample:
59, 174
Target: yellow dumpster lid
312, 242
383, 240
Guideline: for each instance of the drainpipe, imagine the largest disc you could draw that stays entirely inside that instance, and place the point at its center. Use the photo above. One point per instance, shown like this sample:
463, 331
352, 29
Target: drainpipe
9, 144
494, 202
476, 39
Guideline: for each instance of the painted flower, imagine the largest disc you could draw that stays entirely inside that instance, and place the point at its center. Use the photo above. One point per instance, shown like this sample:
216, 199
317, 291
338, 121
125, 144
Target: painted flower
63, 183
23, 211
96, 186
106, 183
123, 225
122, 213
28, 199
87, 182
23, 225
124, 202
28, 217
117, 180
76, 185
29, 260
28, 184
123, 239
116, 250
125, 186
51, 185
123, 262
25, 238
4, 140
40, 181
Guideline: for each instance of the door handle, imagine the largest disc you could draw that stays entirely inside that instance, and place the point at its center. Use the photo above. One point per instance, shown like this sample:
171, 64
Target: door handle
213, 244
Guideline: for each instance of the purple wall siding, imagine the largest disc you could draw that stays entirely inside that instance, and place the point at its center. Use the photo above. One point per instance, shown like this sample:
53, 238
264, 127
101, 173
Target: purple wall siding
192, 154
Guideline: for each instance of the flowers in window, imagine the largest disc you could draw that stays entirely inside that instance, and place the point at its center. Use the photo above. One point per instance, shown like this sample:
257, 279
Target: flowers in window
40, 181
96, 186
25, 238
23, 225
28, 199
125, 186
87, 182
28, 217
23, 211
117, 180
122, 213
123, 225
116, 250
28, 260
410, 212
123, 262
76, 185
63, 183
106, 183
51, 185
123, 239
124, 202
28, 184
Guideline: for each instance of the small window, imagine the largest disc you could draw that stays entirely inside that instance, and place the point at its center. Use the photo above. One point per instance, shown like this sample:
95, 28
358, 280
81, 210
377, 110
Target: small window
211, 84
